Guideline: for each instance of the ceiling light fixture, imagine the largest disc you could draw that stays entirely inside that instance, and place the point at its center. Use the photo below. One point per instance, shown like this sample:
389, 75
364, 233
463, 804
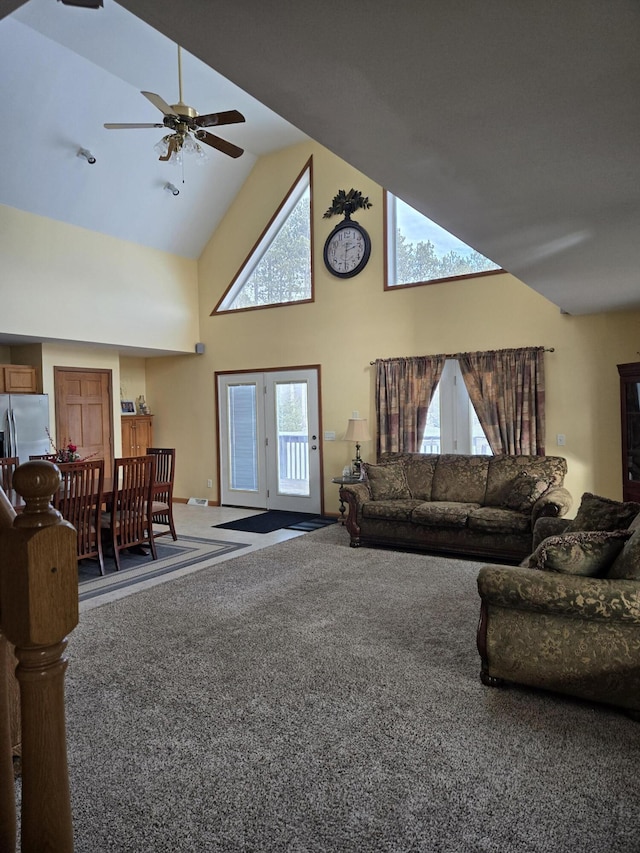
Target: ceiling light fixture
172, 189
172, 145
88, 156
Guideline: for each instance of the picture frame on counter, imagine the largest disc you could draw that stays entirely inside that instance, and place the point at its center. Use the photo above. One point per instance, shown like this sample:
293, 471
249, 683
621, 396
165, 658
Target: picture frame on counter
127, 407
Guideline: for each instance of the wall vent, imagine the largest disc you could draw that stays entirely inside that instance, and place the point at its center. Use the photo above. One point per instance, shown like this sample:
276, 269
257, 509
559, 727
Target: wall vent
198, 502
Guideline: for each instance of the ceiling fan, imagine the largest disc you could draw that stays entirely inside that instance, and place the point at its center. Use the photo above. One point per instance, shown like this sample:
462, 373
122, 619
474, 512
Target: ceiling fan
187, 126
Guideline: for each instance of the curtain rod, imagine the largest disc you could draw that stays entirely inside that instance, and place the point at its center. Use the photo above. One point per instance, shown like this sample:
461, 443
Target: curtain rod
456, 354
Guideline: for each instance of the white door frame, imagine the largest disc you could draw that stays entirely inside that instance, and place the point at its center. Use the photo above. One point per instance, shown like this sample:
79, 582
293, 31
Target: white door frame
262, 489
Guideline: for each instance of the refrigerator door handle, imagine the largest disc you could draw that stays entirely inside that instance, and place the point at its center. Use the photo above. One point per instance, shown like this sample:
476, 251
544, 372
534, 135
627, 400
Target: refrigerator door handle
13, 438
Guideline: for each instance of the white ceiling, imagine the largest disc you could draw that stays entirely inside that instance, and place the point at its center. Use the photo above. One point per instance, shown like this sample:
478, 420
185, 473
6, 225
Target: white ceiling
64, 72
513, 125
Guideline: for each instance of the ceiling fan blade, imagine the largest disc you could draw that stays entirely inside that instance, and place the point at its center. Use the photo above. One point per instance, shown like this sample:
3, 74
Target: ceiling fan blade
214, 119
160, 103
221, 144
121, 126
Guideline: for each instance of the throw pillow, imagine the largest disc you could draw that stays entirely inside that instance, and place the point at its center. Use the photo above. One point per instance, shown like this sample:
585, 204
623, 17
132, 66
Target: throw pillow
524, 492
588, 552
387, 482
598, 513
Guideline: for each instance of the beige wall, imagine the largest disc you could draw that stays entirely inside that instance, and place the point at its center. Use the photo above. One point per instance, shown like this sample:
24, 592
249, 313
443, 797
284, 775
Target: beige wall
63, 282
69, 282
355, 321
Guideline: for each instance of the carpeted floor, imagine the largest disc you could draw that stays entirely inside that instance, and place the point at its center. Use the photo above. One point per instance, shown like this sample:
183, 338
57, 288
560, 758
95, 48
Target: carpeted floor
267, 522
311, 697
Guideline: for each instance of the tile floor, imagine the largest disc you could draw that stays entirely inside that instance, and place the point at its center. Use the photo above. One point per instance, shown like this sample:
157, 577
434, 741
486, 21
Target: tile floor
198, 521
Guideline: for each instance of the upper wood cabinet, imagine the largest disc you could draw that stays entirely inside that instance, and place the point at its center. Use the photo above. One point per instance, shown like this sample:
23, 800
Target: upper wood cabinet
137, 434
18, 379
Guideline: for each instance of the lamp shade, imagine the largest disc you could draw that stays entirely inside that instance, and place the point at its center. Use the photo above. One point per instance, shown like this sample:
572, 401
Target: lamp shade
357, 430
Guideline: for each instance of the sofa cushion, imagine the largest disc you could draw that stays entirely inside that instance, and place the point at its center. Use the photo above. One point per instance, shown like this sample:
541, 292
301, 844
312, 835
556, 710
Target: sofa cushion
397, 510
626, 565
419, 471
442, 513
493, 519
598, 513
587, 552
503, 471
460, 478
524, 491
387, 482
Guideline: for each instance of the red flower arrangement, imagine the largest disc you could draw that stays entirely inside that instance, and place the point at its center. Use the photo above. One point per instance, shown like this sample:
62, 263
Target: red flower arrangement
67, 453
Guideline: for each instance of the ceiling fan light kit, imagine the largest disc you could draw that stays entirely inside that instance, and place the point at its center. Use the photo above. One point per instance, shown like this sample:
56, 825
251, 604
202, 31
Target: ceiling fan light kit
187, 127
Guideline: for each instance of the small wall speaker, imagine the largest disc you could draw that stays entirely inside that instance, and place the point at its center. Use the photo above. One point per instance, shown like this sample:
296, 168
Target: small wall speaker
199, 348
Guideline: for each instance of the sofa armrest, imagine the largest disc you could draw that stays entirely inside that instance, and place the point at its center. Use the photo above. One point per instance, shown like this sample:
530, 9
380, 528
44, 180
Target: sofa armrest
550, 592
554, 504
355, 496
547, 526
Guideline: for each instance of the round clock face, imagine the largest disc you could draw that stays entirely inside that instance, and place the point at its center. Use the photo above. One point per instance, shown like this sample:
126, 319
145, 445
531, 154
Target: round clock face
347, 249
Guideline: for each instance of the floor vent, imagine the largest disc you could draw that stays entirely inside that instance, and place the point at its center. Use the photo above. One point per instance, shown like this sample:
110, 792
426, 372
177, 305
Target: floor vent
198, 502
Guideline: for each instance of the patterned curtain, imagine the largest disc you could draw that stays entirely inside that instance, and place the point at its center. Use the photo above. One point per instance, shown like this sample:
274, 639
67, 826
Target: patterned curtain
404, 388
506, 388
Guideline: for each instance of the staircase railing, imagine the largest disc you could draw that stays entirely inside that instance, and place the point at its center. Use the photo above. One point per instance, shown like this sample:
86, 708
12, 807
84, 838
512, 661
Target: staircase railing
38, 609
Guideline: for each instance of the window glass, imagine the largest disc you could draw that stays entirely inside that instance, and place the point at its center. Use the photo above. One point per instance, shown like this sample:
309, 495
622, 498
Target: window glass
279, 268
452, 424
420, 251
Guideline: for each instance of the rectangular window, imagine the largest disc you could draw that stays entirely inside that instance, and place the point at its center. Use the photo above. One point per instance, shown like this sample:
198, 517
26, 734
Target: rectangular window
452, 423
421, 252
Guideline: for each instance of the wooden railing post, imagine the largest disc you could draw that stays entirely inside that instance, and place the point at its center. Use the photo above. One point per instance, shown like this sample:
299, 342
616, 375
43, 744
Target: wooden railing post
39, 600
9, 700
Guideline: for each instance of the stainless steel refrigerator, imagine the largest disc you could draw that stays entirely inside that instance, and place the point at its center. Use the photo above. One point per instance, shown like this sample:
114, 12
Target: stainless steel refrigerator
24, 421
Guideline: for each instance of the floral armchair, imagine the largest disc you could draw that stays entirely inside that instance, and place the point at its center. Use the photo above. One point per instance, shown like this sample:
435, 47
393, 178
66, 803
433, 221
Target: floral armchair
568, 618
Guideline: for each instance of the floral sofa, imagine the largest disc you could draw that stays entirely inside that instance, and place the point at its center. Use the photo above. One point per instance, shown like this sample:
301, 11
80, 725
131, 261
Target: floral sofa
568, 618
471, 505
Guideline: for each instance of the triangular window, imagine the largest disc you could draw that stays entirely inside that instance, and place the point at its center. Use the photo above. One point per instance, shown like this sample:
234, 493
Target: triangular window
278, 268
421, 252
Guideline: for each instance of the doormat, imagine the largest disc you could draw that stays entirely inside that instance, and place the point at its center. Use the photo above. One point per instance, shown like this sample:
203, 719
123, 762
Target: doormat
267, 522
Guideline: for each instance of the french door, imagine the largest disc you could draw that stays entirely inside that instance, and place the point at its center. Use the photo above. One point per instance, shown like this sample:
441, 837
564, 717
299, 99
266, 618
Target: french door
269, 440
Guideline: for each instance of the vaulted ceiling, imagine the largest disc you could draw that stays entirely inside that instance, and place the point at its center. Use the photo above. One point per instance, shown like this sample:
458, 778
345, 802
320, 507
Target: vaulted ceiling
515, 126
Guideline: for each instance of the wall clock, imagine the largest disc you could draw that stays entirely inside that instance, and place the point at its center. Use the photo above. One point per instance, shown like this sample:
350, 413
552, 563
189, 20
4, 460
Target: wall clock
347, 249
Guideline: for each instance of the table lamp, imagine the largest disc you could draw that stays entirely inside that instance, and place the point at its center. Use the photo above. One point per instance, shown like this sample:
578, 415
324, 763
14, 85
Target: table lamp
358, 431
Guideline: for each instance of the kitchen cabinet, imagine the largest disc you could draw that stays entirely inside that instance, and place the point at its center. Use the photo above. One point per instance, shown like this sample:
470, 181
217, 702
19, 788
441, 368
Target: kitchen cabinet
137, 434
18, 379
630, 423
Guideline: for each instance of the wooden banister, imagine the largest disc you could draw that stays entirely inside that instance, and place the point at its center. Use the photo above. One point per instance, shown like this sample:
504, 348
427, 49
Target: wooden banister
39, 608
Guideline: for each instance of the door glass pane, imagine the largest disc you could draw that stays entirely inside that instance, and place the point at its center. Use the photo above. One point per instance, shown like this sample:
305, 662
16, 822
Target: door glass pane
293, 438
243, 451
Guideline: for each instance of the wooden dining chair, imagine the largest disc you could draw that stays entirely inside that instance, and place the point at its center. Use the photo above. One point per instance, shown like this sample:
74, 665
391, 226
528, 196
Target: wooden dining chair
162, 497
8, 465
128, 521
79, 501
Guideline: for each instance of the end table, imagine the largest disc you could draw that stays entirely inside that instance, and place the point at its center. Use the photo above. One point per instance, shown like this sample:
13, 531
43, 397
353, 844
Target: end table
344, 481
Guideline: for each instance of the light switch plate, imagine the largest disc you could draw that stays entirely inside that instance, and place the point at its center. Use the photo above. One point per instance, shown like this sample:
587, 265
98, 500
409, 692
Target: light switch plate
329, 435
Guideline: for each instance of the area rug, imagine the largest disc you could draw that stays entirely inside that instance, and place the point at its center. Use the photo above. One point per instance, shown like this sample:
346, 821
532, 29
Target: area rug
267, 522
186, 552
313, 697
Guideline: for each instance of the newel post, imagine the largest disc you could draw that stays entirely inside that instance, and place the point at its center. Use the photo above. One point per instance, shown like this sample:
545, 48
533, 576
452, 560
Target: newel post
39, 597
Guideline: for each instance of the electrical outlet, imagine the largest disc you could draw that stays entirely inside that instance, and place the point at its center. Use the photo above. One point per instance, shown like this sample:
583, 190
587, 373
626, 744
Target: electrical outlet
209, 484
560, 439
